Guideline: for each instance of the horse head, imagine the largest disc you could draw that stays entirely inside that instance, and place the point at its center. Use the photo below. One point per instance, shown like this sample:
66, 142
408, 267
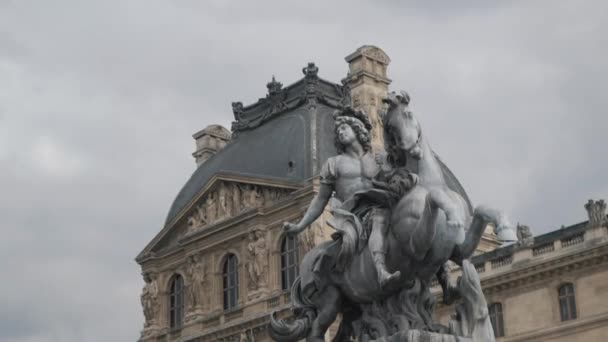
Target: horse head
402, 133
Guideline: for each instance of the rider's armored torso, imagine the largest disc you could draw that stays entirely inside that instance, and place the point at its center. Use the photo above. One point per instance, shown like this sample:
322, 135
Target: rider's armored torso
349, 175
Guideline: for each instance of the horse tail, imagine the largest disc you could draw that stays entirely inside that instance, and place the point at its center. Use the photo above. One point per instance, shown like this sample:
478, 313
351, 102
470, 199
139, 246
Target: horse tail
305, 312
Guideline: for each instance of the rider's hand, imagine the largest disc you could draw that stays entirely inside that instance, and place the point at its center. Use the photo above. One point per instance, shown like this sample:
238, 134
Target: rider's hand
290, 228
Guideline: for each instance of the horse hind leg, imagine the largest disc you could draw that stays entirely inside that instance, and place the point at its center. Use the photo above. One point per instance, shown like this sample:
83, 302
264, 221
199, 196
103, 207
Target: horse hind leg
481, 217
326, 314
450, 293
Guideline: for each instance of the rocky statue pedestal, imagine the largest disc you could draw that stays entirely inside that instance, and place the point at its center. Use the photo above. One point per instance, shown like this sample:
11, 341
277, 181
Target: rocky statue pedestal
421, 336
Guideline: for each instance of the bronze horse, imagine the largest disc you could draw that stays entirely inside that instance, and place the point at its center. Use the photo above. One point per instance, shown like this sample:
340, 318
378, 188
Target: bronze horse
431, 224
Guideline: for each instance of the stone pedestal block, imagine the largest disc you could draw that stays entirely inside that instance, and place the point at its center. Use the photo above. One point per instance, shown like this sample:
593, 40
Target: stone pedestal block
421, 336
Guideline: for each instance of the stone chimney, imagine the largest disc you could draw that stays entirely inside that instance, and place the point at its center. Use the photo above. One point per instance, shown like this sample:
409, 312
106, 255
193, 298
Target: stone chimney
369, 85
209, 141
597, 213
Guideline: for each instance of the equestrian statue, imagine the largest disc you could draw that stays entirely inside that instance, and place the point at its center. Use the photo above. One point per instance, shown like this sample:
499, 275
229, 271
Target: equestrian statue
399, 218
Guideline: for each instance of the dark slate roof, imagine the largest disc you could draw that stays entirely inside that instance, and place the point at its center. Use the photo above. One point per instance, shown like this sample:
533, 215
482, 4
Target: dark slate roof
285, 136
562, 233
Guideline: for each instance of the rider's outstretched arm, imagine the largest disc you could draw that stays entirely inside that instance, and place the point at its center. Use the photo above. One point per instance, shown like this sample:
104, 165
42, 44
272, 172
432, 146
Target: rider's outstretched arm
315, 209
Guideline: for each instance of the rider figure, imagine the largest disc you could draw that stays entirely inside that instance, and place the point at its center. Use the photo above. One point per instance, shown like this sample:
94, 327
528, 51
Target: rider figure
353, 170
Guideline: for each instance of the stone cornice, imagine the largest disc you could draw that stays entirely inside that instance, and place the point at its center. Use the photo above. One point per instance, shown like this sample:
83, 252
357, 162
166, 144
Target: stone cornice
563, 329
530, 272
537, 271
227, 331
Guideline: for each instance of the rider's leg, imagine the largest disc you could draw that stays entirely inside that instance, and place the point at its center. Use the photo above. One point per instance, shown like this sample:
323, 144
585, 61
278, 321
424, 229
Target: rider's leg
377, 245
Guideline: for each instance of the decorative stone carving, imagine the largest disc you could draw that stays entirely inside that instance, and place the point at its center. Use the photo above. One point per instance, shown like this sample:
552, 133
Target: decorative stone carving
149, 299
274, 86
247, 336
237, 110
311, 70
524, 235
211, 208
229, 199
252, 196
257, 263
597, 213
196, 277
225, 203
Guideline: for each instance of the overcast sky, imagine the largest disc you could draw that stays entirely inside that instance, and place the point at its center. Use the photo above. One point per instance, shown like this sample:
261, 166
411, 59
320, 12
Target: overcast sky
99, 99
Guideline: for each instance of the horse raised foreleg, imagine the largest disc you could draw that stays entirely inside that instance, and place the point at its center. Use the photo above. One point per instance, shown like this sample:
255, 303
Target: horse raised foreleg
326, 315
423, 233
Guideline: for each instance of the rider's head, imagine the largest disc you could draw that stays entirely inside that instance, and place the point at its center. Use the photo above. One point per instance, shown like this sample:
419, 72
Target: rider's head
351, 124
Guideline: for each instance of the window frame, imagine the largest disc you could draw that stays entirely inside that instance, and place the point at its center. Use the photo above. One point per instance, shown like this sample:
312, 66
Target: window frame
290, 258
230, 282
496, 315
176, 302
567, 302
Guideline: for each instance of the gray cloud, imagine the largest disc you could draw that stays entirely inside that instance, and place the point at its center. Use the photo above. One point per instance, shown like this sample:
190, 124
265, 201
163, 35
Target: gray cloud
99, 99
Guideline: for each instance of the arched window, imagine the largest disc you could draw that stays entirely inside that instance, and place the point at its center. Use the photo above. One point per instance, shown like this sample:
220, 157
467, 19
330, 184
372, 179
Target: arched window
176, 302
231, 282
289, 261
567, 304
498, 324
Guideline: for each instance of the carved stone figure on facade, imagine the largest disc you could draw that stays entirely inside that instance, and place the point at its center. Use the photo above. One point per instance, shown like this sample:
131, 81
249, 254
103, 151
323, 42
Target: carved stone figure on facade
211, 208
251, 196
251, 267
225, 205
596, 210
149, 299
524, 235
195, 277
261, 258
257, 266
236, 198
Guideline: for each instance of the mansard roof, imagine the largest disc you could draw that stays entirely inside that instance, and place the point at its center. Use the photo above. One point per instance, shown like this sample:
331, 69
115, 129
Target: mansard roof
285, 135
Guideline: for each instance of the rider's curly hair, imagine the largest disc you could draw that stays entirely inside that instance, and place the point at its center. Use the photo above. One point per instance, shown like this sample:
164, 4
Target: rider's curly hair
358, 121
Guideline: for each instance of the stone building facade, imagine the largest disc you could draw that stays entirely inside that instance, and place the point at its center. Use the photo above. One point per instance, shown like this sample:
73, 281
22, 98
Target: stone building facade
221, 262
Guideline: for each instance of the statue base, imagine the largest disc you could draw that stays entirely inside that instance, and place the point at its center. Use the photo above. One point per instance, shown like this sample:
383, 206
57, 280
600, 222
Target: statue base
421, 336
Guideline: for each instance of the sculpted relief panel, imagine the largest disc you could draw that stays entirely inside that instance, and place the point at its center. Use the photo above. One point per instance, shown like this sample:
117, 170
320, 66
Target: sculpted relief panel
149, 301
257, 262
229, 199
196, 284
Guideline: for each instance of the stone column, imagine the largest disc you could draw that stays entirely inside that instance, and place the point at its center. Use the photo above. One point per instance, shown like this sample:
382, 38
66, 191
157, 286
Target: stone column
369, 85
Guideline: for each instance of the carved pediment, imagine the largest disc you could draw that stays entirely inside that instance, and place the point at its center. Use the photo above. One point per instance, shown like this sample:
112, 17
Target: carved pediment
228, 199
224, 197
